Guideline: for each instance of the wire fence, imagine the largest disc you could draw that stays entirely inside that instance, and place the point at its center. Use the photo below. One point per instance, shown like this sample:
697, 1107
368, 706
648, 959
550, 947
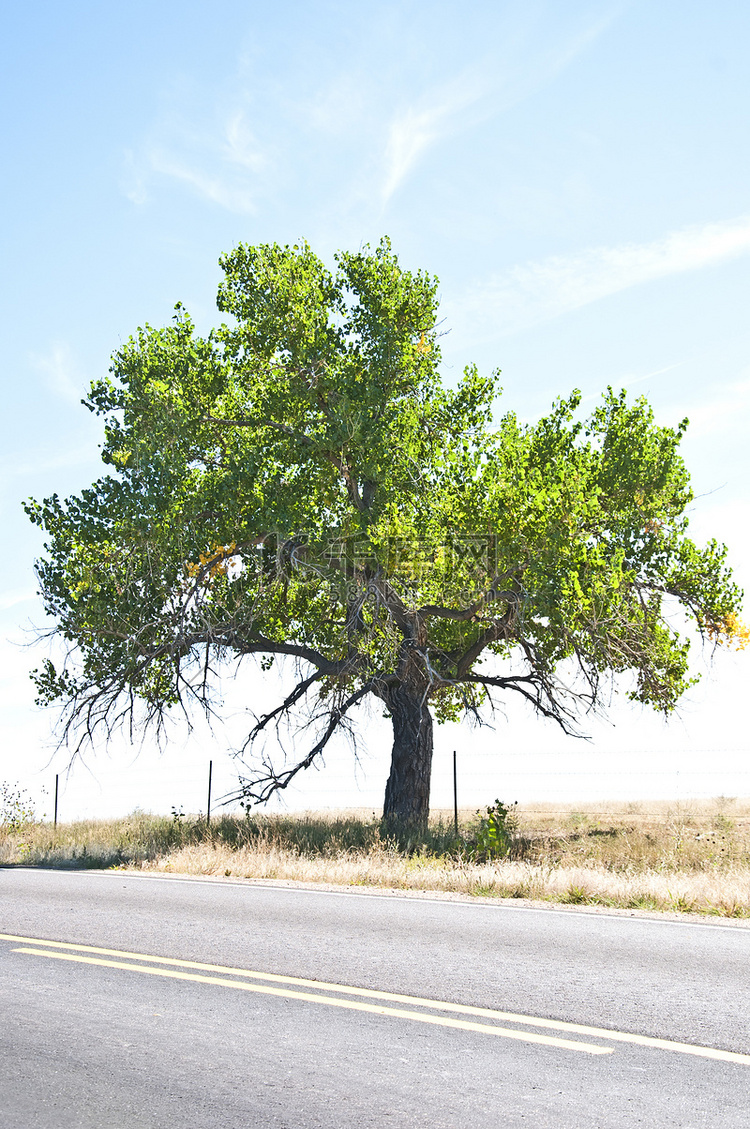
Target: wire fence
204, 787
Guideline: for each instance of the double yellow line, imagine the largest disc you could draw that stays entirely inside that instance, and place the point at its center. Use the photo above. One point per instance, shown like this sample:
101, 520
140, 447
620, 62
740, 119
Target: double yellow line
334, 995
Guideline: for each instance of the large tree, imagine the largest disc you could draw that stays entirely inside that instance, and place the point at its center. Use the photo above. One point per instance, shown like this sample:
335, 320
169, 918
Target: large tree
300, 484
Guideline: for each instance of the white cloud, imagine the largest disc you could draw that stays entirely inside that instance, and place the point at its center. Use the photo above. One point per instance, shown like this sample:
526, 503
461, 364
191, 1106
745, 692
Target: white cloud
490, 86
223, 166
60, 372
413, 130
240, 147
339, 107
134, 178
535, 292
219, 189
206, 140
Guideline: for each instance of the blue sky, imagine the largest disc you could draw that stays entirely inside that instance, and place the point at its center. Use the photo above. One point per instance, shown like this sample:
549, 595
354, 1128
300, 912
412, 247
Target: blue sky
576, 175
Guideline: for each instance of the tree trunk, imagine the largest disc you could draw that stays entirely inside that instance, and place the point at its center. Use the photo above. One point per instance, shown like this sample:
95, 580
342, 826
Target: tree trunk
407, 793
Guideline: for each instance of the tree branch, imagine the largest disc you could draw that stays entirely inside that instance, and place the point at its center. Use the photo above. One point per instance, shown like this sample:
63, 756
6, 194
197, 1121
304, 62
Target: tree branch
536, 695
332, 457
291, 699
262, 787
304, 440
510, 596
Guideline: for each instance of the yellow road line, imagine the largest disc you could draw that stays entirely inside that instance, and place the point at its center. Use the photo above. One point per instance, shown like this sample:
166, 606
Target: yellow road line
310, 997
414, 1001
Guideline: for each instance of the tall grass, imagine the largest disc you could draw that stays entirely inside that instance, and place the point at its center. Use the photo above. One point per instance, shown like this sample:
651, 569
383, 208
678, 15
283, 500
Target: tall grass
686, 857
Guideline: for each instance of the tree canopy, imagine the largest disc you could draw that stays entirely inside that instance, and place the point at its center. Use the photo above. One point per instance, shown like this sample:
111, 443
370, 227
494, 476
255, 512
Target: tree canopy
300, 483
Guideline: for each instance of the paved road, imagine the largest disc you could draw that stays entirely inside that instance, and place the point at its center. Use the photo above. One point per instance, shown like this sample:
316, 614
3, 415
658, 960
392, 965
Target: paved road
97, 1032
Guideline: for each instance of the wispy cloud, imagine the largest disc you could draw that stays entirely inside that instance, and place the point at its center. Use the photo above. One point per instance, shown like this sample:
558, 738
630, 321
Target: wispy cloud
239, 145
338, 107
363, 122
629, 380
60, 373
134, 177
222, 166
415, 128
494, 84
217, 187
535, 292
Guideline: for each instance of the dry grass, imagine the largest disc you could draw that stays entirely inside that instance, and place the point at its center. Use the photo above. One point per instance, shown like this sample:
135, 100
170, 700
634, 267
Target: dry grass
692, 857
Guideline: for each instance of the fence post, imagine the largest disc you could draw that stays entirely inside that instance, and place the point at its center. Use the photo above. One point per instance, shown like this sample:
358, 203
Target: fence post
208, 805
455, 796
57, 788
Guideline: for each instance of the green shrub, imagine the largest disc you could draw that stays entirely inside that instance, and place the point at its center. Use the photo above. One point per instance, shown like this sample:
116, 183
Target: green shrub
495, 833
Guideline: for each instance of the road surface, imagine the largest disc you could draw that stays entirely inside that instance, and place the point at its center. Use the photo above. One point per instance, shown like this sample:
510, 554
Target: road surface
132, 1001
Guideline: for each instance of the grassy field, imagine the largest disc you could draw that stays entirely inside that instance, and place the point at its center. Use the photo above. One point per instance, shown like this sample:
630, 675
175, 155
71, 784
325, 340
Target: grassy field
691, 857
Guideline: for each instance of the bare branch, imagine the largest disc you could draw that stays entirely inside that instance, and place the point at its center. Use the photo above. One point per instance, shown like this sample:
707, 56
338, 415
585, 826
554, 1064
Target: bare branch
262, 787
540, 695
291, 699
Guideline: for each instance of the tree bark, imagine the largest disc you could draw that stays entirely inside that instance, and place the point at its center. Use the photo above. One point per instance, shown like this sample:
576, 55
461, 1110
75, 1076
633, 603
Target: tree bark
407, 793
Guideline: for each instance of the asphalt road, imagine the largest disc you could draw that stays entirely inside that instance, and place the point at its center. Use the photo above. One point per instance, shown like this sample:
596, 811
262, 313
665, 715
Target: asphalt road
220, 1033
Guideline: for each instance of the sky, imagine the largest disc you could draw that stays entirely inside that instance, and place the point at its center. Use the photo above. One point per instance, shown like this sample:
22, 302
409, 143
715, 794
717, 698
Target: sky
576, 176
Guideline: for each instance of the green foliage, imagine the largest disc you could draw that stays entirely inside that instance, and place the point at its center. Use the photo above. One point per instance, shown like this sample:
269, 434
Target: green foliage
301, 483
576, 896
495, 832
